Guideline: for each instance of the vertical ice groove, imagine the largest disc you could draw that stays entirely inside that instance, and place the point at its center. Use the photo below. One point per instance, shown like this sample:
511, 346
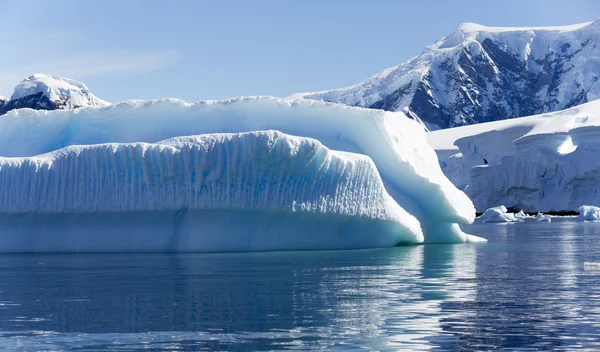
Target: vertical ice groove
258, 170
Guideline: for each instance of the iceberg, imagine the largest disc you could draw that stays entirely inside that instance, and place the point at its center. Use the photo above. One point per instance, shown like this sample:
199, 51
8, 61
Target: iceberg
284, 192
498, 214
543, 218
589, 213
545, 163
415, 199
521, 215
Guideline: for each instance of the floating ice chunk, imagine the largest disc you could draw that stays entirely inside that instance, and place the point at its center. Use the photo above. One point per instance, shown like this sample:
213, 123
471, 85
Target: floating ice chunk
589, 213
521, 215
222, 192
498, 214
543, 218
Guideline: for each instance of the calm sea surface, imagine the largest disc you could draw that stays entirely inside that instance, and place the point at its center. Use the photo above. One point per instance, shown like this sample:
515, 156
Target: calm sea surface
525, 289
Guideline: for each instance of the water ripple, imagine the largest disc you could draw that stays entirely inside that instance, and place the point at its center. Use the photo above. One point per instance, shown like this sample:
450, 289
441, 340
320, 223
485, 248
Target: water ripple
527, 289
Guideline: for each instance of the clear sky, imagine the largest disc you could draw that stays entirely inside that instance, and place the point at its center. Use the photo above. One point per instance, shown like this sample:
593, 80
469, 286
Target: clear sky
215, 49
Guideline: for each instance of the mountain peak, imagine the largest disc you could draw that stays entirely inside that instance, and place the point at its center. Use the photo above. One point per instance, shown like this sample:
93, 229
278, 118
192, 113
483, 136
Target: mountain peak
46, 92
65, 92
480, 73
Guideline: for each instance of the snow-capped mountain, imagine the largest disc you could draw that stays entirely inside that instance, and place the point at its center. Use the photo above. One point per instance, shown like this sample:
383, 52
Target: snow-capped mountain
45, 92
479, 74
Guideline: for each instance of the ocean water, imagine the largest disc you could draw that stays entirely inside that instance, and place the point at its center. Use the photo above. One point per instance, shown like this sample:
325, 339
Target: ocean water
525, 289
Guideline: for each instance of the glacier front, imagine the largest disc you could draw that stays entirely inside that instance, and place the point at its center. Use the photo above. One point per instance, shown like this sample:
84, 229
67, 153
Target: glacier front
413, 195
546, 163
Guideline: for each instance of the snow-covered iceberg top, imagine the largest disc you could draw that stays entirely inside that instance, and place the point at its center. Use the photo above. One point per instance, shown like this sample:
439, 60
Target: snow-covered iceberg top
498, 214
589, 213
397, 146
64, 93
543, 217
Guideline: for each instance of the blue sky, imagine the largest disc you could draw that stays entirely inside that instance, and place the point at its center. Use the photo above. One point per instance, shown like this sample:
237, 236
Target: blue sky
204, 49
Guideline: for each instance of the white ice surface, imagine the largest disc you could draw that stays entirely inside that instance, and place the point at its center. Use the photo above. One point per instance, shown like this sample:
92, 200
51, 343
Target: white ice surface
274, 191
521, 215
589, 213
498, 214
546, 162
407, 166
543, 218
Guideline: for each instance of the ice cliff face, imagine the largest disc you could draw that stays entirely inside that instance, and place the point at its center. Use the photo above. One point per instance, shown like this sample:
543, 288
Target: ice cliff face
539, 163
45, 92
406, 165
283, 183
481, 74
254, 170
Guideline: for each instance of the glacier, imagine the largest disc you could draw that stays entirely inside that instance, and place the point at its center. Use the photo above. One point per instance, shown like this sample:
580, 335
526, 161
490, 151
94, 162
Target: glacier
427, 205
545, 163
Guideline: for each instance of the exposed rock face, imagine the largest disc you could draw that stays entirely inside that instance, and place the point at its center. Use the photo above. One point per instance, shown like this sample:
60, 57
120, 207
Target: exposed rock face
481, 74
3, 101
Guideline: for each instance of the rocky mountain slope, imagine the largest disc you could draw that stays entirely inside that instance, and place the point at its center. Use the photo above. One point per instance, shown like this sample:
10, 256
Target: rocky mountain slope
480, 74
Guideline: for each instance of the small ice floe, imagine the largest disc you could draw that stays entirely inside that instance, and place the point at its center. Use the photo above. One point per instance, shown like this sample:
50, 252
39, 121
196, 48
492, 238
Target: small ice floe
588, 213
498, 214
543, 218
591, 266
521, 215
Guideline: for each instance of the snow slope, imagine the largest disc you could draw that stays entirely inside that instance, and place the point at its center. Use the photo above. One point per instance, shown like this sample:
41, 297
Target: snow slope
278, 184
398, 146
480, 74
544, 162
45, 92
